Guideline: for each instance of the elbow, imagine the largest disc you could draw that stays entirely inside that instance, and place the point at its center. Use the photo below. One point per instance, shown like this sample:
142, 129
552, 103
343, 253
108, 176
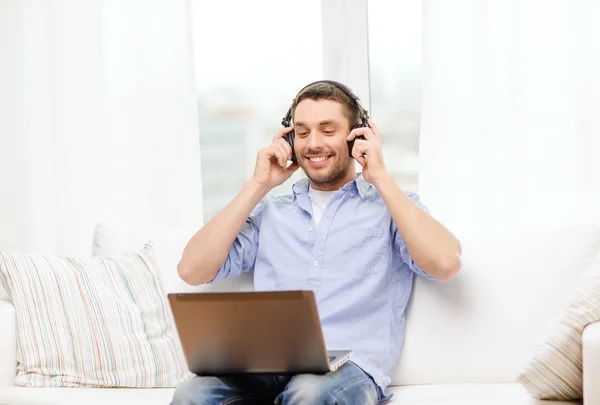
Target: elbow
187, 274
449, 266
192, 275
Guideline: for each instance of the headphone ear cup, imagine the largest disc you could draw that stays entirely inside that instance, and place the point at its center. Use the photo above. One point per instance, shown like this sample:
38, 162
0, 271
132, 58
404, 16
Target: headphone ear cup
351, 143
289, 137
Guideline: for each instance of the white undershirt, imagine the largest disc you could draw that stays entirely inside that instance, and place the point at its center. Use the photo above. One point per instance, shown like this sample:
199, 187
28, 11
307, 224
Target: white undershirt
319, 200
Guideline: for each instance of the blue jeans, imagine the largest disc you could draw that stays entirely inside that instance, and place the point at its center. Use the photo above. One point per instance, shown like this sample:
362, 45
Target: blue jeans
347, 385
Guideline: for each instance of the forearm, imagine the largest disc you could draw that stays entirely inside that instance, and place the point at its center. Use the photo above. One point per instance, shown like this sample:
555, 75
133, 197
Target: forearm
433, 248
207, 250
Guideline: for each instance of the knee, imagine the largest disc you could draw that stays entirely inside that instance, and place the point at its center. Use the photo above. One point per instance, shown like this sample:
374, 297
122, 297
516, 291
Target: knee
308, 389
324, 390
193, 391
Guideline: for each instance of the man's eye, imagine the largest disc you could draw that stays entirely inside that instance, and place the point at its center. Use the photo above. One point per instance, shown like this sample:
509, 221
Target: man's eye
329, 132
302, 133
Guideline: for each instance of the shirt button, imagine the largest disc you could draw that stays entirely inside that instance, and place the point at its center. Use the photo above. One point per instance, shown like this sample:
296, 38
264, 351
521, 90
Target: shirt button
309, 229
316, 262
351, 194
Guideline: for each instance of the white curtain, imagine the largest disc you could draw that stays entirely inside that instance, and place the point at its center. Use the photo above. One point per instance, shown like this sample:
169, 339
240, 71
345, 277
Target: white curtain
511, 112
98, 120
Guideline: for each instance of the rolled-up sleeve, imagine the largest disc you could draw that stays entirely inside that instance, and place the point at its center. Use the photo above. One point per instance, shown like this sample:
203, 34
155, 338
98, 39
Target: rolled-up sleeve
242, 253
400, 247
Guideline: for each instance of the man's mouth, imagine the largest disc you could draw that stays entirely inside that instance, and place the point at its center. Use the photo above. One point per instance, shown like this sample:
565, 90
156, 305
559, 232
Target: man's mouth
318, 160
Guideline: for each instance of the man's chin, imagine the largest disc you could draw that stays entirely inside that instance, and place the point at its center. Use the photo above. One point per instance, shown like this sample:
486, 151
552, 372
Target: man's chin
317, 179
317, 175
326, 174
323, 177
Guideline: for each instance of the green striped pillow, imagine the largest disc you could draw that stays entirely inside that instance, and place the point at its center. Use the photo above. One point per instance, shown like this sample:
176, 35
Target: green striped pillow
99, 322
555, 371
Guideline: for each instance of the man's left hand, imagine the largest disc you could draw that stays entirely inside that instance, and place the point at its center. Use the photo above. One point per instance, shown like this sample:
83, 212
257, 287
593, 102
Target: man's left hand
368, 152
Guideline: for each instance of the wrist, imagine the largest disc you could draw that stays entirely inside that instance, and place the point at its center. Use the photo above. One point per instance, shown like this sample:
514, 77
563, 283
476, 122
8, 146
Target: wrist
382, 180
256, 188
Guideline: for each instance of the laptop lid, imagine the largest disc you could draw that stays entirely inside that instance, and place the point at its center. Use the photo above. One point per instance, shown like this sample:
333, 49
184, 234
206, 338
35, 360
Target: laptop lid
224, 333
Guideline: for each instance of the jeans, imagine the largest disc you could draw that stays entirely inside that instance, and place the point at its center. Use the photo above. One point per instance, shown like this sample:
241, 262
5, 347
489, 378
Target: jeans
347, 385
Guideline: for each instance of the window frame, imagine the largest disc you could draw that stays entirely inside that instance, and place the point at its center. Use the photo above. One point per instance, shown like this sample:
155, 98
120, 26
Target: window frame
345, 32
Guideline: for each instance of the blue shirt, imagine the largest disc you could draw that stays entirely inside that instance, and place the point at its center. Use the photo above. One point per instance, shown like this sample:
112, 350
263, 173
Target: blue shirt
354, 260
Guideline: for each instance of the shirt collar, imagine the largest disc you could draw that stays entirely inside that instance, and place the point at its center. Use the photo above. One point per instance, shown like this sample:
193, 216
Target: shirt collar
358, 184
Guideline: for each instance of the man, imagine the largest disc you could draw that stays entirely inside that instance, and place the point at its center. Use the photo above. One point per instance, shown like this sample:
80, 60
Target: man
356, 240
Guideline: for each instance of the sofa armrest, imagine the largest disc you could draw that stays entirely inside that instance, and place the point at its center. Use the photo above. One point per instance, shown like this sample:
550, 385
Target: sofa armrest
8, 344
591, 364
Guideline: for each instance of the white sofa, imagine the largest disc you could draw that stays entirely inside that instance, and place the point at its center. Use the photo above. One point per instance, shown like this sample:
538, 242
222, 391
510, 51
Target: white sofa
467, 339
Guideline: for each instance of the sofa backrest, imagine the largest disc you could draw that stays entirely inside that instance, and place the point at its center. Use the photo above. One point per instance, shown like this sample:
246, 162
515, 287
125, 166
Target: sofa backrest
479, 327
483, 325
115, 238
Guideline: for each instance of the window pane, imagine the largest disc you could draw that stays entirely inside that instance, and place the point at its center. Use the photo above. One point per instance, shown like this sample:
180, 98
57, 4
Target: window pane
395, 78
251, 58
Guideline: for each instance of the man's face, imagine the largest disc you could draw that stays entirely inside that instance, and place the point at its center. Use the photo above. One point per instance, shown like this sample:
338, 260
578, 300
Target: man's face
320, 143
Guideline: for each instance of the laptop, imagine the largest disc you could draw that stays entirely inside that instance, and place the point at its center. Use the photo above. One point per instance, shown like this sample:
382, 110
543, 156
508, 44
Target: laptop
274, 332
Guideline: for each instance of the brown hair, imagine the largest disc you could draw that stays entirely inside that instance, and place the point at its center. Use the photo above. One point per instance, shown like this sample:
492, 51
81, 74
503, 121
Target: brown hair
329, 91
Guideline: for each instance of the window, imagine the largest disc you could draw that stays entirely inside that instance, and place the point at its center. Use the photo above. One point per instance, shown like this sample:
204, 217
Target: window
395, 83
249, 65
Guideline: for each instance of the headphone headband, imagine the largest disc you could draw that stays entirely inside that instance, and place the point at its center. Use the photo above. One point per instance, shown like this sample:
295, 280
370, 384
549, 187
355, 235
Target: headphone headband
364, 115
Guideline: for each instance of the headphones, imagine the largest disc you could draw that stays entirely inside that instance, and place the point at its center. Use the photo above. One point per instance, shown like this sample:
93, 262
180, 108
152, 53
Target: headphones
364, 116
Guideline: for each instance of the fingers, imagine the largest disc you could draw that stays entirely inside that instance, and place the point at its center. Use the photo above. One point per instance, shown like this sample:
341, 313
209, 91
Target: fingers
364, 131
283, 148
281, 151
287, 148
369, 132
359, 150
292, 168
374, 127
281, 133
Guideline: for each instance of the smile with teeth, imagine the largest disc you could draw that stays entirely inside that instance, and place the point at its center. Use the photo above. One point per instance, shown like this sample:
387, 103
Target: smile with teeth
318, 159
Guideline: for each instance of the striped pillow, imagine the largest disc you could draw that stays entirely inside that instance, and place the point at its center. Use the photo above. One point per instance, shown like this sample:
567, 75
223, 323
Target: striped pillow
555, 371
99, 322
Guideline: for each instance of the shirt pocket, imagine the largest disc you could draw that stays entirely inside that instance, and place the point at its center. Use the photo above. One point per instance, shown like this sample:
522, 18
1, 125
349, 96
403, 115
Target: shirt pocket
362, 251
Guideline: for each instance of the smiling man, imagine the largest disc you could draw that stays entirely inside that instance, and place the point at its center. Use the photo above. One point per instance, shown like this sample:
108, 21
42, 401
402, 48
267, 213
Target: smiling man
357, 240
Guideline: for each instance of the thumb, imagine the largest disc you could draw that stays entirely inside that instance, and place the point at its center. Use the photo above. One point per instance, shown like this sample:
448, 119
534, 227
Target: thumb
361, 159
292, 167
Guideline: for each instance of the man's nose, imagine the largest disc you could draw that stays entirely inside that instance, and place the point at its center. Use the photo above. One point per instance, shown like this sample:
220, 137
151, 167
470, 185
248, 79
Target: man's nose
315, 140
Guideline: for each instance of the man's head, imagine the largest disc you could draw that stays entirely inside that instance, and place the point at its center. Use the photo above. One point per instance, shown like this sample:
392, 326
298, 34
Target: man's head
323, 116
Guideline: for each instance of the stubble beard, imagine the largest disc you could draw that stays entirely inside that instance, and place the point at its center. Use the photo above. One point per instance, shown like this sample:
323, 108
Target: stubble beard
330, 177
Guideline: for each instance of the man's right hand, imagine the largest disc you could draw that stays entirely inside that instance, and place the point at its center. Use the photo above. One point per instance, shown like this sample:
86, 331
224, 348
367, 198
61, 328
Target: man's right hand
272, 168
208, 249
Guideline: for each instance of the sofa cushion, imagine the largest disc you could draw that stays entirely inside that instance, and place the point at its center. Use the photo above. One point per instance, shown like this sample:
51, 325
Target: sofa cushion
459, 394
96, 322
87, 396
8, 344
3, 293
555, 370
468, 394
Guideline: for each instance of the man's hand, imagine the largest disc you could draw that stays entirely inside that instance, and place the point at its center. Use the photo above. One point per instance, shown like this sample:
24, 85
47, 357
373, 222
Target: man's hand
208, 249
272, 168
368, 152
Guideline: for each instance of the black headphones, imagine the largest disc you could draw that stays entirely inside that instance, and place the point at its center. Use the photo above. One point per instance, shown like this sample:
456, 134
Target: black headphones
364, 116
